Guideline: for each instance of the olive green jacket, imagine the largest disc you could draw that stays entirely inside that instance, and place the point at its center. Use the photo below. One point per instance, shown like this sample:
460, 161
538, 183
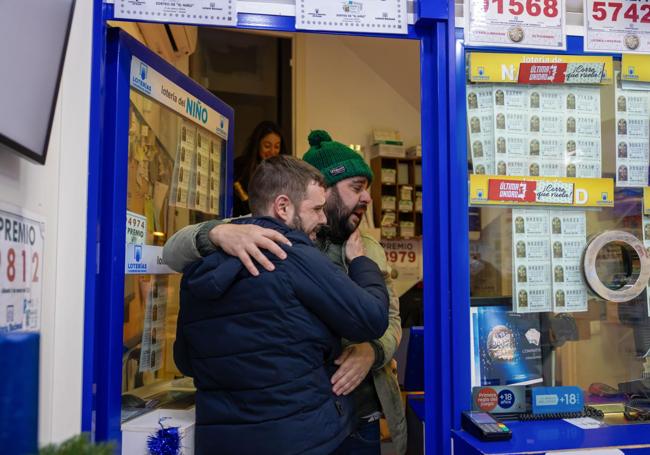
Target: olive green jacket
191, 243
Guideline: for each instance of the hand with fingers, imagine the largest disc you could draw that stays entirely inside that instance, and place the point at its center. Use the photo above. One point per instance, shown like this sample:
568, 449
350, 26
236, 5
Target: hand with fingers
246, 241
354, 246
354, 365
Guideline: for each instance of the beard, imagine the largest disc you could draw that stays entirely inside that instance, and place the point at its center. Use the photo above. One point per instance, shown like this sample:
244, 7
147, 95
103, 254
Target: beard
299, 225
340, 223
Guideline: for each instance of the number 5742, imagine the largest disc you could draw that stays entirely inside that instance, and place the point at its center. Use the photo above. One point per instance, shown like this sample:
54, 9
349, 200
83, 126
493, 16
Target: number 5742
601, 11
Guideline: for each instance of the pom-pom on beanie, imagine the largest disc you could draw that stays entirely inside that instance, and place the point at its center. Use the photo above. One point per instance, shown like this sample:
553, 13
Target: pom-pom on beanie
334, 160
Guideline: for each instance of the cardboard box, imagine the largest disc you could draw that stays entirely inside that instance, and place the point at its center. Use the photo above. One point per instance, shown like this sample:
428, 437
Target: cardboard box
388, 202
405, 205
136, 432
387, 151
414, 152
389, 232
388, 176
407, 229
387, 218
406, 192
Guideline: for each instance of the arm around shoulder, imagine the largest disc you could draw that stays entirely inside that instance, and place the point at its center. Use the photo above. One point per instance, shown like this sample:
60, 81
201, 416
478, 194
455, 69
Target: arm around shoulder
189, 245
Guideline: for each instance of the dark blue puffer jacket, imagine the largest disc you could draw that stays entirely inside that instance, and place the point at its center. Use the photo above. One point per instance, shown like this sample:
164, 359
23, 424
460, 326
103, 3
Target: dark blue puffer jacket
261, 349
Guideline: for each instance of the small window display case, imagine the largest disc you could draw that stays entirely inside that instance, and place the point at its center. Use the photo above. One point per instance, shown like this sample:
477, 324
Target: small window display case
167, 164
559, 337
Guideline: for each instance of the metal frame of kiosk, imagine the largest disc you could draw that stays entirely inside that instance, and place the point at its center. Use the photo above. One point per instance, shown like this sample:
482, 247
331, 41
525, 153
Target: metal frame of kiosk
444, 173
105, 283
540, 436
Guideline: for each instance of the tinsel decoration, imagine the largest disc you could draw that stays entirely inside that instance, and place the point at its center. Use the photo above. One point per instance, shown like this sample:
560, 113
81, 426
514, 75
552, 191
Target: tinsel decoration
166, 441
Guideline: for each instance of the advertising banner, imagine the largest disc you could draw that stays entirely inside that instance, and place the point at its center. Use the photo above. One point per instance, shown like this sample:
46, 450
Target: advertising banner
148, 81
536, 24
556, 191
506, 347
145, 260
561, 73
504, 68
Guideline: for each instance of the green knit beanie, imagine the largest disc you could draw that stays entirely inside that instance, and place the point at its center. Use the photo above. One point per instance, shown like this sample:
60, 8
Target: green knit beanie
334, 160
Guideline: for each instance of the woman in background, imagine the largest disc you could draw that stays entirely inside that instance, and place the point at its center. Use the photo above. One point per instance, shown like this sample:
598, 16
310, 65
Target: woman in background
264, 142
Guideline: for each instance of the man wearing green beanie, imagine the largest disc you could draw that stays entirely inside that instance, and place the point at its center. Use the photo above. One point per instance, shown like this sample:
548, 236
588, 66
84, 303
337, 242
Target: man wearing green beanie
366, 370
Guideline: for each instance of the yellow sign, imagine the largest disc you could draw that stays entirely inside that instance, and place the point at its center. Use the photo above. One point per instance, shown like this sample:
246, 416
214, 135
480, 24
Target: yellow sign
504, 68
536, 191
635, 68
646, 201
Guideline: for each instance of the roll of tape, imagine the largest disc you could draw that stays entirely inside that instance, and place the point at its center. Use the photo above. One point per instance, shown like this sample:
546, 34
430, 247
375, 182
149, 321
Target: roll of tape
635, 285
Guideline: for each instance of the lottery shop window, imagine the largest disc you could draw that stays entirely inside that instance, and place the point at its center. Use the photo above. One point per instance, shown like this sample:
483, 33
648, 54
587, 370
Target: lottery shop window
535, 319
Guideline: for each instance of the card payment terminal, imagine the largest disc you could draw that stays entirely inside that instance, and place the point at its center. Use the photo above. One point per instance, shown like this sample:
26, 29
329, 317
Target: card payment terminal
483, 426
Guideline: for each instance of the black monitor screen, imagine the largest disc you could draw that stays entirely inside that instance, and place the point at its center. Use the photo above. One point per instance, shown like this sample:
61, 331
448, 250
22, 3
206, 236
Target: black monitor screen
33, 38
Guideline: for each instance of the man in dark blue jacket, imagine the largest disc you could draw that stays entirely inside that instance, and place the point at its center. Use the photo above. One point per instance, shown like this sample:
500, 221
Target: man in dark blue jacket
261, 349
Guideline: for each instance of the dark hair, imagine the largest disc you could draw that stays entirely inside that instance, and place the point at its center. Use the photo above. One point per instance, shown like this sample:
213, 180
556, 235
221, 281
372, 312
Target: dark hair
281, 175
251, 156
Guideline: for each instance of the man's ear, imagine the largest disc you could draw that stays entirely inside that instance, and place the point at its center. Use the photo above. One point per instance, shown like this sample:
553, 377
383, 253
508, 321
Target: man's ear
283, 208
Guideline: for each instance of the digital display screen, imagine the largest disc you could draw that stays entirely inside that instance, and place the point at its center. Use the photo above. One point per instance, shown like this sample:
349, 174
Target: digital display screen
482, 417
31, 71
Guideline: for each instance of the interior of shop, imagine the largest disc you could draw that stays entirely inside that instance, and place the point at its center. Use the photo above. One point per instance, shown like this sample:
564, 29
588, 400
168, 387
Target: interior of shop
364, 91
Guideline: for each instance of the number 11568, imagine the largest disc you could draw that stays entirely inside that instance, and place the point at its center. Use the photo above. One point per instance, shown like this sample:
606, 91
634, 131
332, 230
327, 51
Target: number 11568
534, 8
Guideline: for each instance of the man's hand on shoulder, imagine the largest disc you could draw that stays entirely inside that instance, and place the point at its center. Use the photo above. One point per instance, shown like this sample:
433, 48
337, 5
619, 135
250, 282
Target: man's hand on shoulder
246, 241
354, 364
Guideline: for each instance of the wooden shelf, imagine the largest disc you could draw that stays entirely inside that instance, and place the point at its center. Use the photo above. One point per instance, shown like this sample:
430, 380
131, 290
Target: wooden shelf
380, 189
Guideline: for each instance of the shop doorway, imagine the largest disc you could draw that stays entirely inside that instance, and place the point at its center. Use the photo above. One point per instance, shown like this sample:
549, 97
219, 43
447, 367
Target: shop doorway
251, 72
356, 120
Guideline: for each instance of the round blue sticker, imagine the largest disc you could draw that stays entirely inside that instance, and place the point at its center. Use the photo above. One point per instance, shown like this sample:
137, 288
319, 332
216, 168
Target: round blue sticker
506, 399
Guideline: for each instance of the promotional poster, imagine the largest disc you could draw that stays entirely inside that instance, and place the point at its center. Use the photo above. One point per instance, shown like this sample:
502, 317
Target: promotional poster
506, 347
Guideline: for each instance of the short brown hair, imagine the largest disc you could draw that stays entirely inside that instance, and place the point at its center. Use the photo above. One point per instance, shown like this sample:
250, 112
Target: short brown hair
281, 175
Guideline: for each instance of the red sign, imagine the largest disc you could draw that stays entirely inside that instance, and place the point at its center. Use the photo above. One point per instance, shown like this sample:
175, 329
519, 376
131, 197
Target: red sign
512, 190
542, 73
487, 399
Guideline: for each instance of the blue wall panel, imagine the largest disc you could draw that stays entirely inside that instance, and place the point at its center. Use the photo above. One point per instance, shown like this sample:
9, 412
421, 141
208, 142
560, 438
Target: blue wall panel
19, 393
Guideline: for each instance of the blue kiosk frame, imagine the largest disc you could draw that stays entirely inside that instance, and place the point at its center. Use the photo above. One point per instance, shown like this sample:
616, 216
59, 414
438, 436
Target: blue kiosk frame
445, 221
528, 437
445, 209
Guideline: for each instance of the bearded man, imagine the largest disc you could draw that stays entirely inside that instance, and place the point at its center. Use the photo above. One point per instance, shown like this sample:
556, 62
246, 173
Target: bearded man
366, 370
